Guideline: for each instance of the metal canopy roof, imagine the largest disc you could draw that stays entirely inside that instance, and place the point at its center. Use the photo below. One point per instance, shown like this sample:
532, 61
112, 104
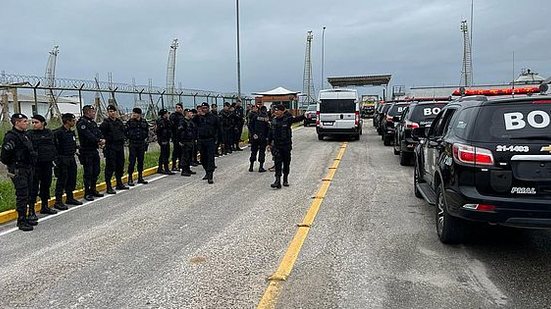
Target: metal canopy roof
368, 80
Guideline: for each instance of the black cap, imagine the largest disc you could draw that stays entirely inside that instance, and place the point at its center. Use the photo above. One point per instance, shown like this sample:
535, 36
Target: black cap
187, 110
18, 116
214, 105
111, 107
205, 104
280, 107
137, 110
194, 111
39, 118
227, 104
67, 117
162, 112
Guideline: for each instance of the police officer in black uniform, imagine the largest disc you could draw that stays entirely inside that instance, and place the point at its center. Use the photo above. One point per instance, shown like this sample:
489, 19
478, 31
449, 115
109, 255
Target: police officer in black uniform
187, 135
91, 140
19, 155
43, 143
66, 165
194, 153
280, 143
239, 122
137, 133
227, 128
208, 128
163, 132
259, 127
112, 129
219, 138
175, 119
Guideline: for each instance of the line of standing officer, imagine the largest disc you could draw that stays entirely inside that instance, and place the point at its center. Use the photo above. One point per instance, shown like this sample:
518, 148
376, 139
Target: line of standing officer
137, 133
91, 140
112, 129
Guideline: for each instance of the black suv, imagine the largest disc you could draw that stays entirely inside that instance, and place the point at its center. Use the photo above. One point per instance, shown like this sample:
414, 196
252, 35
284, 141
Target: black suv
387, 121
416, 115
488, 161
379, 112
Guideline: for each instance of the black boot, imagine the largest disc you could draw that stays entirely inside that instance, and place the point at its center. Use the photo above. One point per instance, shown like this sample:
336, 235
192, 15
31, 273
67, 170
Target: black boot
205, 177
210, 176
277, 183
186, 173
71, 200
261, 168
22, 223
32, 219
285, 180
141, 180
95, 192
120, 185
131, 180
251, 166
110, 189
45, 209
160, 170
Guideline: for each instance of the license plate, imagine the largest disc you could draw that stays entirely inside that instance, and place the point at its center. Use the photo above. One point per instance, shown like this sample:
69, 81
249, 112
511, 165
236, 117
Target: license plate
532, 170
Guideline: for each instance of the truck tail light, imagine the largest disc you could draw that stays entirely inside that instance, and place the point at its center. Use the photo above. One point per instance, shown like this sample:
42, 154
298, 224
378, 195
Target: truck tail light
317, 119
466, 154
389, 118
411, 125
357, 118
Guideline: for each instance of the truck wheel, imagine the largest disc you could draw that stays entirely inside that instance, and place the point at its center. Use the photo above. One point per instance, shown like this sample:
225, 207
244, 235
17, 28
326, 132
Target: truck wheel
449, 229
320, 137
357, 137
404, 158
386, 140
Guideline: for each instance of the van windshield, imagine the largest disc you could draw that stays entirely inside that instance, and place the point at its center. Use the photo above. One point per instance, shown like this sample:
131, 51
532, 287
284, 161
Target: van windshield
338, 106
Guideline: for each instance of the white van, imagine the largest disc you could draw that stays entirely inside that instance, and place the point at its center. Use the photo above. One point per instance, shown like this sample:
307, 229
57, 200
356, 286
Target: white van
338, 113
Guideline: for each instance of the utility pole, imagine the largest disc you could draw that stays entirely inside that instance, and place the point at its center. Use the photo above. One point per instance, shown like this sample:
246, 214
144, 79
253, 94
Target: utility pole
322, 58
171, 73
238, 54
308, 81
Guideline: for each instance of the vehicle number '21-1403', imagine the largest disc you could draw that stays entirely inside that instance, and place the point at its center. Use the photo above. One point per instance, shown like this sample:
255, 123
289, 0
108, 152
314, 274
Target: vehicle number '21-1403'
512, 148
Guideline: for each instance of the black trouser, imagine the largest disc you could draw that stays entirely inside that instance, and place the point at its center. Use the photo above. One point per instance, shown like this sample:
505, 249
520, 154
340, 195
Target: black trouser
282, 158
238, 132
185, 161
135, 152
206, 148
194, 152
114, 163
90, 163
66, 173
22, 182
228, 138
176, 152
42, 180
258, 146
163, 156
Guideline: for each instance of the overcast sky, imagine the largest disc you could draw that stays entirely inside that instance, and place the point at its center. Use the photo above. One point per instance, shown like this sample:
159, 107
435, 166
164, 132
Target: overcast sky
418, 42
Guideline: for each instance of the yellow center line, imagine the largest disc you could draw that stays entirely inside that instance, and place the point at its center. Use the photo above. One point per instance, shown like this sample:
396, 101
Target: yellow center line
269, 299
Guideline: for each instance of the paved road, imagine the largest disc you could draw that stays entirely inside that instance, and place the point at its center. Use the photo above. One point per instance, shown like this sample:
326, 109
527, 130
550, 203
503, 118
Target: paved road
180, 243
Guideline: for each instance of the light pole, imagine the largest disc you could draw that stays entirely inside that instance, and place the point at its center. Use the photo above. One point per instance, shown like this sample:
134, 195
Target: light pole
238, 54
322, 56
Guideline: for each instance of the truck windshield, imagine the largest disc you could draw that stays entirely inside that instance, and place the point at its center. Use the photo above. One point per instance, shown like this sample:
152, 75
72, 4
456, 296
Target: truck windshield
338, 106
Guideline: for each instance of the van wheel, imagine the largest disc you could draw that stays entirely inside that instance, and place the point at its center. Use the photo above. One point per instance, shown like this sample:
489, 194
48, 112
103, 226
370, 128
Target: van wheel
396, 152
386, 140
357, 137
449, 229
320, 137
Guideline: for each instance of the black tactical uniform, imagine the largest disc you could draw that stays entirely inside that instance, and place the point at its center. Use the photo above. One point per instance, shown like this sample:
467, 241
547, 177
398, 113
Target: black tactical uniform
113, 133
43, 143
280, 138
259, 127
163, 132
175, 119
208, 128
227, 119
186, 135
137, 132
89, 136
66, 166
19, 156
239, 122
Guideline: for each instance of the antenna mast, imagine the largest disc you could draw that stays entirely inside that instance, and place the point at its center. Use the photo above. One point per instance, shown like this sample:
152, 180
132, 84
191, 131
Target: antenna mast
308, 81
53, 109
171, 73
467, 68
